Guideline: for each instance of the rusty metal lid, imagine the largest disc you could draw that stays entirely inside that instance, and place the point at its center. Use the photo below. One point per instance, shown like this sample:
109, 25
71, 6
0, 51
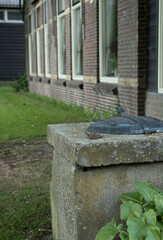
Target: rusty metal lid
127, 125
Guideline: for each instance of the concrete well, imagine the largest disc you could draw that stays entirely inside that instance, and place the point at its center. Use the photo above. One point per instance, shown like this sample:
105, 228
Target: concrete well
88, 176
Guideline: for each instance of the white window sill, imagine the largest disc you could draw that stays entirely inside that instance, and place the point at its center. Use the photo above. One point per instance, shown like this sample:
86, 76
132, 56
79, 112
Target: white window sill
160, 90
1, 21
62, 76
78, 77
109, 80
47, 75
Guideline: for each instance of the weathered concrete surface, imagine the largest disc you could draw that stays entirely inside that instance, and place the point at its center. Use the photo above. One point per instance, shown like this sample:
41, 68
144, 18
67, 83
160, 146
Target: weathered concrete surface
109, 150
89, 176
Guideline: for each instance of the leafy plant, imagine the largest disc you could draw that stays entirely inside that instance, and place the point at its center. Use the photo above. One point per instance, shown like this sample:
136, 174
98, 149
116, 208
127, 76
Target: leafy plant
21, 83
101, 113
143, 213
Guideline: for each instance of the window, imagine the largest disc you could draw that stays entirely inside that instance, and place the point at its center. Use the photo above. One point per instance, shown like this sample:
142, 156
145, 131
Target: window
30, 23
61, 6
75, 2
46, 38
39, 42
77, 41
61, 39
14, 16
160, 49
108, 40
1, 15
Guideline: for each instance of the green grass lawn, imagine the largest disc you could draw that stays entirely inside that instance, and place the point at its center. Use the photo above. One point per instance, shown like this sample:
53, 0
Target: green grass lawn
25, 116
25, 173
24, 191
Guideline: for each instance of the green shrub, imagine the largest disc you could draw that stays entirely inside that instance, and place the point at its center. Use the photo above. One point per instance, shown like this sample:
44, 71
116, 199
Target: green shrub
21, 83
143, 213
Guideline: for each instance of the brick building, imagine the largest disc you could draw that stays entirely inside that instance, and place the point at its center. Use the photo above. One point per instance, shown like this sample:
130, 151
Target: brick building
97, 52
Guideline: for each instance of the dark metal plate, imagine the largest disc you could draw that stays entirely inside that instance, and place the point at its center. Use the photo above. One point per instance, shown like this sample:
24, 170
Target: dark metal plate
127, 125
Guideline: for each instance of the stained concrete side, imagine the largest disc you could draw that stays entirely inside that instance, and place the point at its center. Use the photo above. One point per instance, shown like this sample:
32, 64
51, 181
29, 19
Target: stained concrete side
83, 201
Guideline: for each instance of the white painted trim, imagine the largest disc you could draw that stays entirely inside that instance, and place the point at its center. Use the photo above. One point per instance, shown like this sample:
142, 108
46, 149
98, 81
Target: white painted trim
160, 48
30, 53
62, 76
73, 8
78, 77
109, 79
46, 40
38, 33
103, 78
59, 17
100, 38
30, 46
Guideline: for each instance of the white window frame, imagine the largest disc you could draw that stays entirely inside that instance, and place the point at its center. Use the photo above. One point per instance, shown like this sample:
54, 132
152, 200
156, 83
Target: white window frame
73, 8
60, 16
160, 49
103, 78
30, 59
46, 39
6, 16
39, 47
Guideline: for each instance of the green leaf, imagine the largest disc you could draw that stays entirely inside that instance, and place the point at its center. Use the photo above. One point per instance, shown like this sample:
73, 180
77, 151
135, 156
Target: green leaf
162, 236
123, 235
153, 234
132, 196
109, 231
146, 190
138, 227
158, 200
157, 190
130, 208
124, 211
150, 217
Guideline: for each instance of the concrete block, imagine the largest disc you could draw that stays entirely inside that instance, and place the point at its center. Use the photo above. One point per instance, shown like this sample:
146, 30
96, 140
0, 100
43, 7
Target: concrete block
88, 176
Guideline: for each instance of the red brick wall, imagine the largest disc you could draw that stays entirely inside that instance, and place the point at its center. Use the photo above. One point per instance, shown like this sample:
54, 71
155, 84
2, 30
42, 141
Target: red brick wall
72, 93
132, 61
132, 55
91, 40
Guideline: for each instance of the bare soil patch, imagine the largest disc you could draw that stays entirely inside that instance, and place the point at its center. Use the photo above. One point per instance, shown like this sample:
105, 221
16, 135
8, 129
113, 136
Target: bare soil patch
24, 161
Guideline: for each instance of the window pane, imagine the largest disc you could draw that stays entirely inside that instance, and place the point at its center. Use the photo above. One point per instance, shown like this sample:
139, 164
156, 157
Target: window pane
47, 50
63, 46
45, 12
38, 17
30, 54
78, 43
75, 1
14, 16
48, 70
109, 44
29, 24
61, 6
1, 15
39, 51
